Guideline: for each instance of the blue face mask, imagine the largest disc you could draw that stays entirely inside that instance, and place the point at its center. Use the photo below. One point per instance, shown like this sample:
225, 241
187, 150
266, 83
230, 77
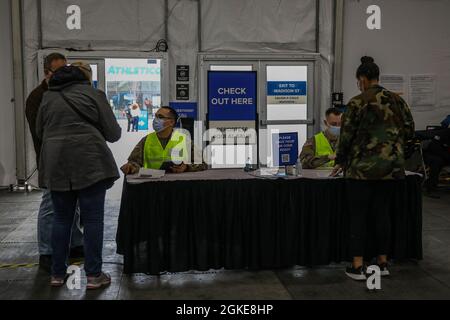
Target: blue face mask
158, 124
335, 131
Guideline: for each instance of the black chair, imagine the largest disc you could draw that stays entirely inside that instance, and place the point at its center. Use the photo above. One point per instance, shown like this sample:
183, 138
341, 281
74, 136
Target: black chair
188, 124
414, 159
429, 128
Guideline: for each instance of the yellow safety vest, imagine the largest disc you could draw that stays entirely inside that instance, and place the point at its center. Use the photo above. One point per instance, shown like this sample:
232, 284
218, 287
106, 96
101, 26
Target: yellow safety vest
175, 151
323, 148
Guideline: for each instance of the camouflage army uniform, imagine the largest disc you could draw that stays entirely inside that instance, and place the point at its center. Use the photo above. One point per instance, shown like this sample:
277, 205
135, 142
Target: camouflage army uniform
308, 155
136, 158
375, 128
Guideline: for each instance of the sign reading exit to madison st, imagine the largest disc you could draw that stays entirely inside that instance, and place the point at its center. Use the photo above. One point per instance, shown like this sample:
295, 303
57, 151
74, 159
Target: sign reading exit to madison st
232, 95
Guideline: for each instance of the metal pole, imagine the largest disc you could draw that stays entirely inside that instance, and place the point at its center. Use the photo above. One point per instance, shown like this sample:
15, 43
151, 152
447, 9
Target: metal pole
199, 24
317, 26
39, 8
166, 20
338, 45
19, 88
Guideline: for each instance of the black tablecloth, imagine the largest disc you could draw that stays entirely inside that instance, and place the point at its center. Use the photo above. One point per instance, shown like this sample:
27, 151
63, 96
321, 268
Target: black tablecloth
251, 224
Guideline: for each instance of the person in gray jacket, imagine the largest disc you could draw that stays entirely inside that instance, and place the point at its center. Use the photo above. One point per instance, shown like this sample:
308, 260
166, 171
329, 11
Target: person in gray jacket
52, 62
74, 123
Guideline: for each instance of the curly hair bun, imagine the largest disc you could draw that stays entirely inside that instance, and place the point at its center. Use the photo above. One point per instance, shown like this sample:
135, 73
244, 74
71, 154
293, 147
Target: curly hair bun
366, 60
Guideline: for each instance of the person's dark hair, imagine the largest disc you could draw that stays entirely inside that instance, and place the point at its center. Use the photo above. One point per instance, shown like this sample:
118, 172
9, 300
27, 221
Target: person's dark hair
49, 60
368, 69
172, 112
67, 74
334, 111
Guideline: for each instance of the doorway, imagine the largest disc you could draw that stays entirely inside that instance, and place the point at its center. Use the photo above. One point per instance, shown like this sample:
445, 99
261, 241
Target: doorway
287, 98
128, 80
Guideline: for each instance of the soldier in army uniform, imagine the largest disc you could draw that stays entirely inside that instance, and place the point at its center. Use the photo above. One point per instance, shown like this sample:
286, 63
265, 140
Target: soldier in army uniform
320, 150
375, 129
156, 151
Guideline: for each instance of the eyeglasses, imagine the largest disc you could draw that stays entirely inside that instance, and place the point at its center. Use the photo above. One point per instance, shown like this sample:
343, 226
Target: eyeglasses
159, 116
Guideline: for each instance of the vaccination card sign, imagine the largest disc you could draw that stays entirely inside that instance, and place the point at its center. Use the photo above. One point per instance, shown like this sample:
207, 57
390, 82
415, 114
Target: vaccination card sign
286, 92
232, 95
185, 109
285, 148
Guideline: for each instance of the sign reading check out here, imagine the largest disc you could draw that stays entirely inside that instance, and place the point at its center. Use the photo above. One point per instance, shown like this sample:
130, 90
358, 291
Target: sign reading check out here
232, 101
232, 95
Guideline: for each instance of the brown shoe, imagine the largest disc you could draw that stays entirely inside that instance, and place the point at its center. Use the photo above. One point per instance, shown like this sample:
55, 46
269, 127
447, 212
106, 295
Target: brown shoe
104, 279
57, 282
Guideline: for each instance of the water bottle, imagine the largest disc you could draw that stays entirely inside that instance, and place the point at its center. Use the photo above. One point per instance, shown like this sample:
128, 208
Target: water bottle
248, 165
298, 168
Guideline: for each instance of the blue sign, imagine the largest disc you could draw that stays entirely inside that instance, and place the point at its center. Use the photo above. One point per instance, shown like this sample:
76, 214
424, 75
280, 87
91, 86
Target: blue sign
286, 88
143, 121
185, 109
232, 95
285, 148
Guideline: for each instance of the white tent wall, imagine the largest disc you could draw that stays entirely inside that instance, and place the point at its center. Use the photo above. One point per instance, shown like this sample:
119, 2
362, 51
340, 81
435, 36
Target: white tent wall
259, 26
7, 140
256, 26
414, 39
133, 25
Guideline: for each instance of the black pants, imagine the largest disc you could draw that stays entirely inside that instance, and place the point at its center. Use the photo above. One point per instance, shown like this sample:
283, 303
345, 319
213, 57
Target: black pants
369, 205
130, 124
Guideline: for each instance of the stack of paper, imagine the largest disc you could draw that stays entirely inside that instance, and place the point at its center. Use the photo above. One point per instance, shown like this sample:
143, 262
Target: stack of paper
151, 173
145, 175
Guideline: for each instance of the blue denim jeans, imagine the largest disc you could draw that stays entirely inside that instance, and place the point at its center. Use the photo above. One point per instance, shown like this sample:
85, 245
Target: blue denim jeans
92, 209
135, 124
45, 226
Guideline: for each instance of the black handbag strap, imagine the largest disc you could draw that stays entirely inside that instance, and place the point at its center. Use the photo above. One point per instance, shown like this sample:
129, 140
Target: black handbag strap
78, 112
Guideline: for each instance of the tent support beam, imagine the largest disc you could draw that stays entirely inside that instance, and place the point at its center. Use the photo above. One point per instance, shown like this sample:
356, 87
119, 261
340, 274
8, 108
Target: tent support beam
40, 30
199, 24
338, 45
317, 25
19, 89
166, 20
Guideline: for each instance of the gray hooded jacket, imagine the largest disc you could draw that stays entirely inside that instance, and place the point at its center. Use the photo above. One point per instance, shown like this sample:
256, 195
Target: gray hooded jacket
74, 152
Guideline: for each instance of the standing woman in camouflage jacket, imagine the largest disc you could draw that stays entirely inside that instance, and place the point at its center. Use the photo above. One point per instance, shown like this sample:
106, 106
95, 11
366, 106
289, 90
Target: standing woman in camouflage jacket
375, 129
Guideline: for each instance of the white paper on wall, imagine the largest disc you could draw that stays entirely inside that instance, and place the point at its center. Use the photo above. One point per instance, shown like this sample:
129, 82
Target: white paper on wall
395, 83
422, 92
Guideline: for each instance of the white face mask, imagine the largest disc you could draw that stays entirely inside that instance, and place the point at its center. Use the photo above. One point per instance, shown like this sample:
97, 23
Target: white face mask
158, 124
335, 131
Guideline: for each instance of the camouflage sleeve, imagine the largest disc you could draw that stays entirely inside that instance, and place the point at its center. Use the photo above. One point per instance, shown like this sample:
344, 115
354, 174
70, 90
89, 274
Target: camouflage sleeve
136, 157
348, 131
409, 126
308, 156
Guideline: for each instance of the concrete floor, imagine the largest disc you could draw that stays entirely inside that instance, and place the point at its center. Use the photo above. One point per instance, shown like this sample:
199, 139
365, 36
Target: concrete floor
428, 279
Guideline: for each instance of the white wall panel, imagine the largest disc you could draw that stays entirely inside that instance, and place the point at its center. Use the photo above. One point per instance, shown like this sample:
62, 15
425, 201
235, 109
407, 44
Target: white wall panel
414, 39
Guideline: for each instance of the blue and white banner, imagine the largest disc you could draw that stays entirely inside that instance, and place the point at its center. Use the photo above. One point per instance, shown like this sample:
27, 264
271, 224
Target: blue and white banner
185, 109
285, 149
232, 95
143, 121
286, 92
